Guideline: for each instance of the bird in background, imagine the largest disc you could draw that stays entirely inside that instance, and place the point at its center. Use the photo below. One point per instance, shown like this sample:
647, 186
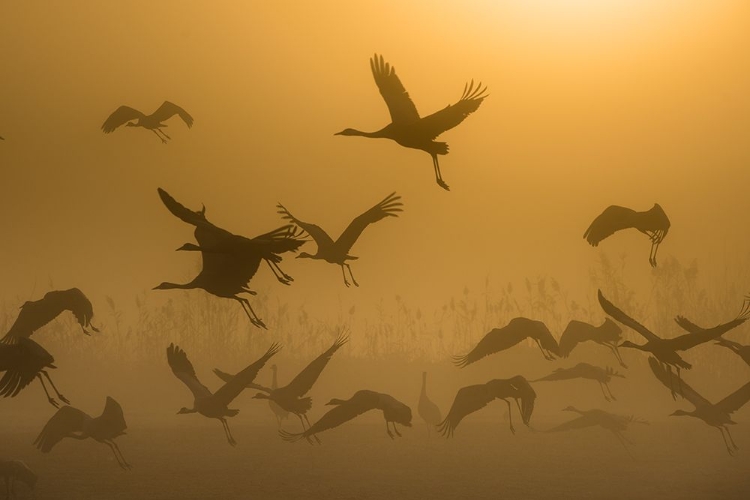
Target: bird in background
428, 410
742, 351
291, 396
665, 350
125, 115
279, 412
231, 261
21, 358
587, 371
407, 128
716, 415
71, 422
337, 252
475, 397
214, 405
654, 223
394, 412
616, 424
608, 334
15, 470
500, 339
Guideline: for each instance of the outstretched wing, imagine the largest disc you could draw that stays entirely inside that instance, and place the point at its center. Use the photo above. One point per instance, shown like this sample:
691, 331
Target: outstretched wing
527, 395
226, 377
64, 422
613, 219
626, 320
305, 379
697, 335
736, 400
181, 212
234, 386
183, 370
21, 363
581, 422
575, 333
167, 110
389, 207
498, 339
396, 97
435, 124
669, 381
122, 115
468, 400
113, 418
316, 233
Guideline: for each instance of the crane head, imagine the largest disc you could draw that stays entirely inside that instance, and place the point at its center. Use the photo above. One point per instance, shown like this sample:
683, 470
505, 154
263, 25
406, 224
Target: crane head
185, 410
348, 131
679, 413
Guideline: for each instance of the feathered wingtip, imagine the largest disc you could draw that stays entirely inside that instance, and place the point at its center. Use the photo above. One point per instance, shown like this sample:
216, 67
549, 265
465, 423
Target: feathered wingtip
461, 361
445, 429
275, 347
290, 437
745, 311
638, 420
472, 93
342, 338
391, 205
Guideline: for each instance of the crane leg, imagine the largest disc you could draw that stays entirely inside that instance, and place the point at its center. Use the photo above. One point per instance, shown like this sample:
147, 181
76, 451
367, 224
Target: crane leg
49, 398
726, 443
388, 430
164, 141
671, 380
624, 442
510, 417
118, 456
616, 352
121, 455
162, 133
601, 386
438, 176
302, 422
539, 344
282, 277
254, 319
228, 432
343, 273
354, 282
395, 429
730, 438
679, 381
59, 396
612, 396
309, 426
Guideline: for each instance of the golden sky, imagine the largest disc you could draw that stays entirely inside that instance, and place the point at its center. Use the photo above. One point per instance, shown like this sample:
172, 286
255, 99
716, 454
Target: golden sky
591, 103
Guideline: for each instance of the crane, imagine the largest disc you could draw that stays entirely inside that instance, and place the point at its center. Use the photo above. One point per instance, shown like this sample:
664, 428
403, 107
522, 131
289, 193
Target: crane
124, 115
15, 470
428, 410
587, 371
608, 334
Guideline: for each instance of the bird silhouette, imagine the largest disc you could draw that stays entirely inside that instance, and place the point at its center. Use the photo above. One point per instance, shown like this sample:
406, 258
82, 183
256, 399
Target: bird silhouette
407, 128
716, 415
214, 405
337, 252
15, 470
742, 351
500, 339
428, 410
22, 362
616, 424
587, 371
279, 412
35, 314
475, 397
394, 412
665, 350
230, 261
71, 422
654, 223
290, 397
153, 122
608, 334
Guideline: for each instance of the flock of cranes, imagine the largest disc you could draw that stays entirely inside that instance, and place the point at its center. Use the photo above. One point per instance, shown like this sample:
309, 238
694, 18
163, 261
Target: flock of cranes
230, 261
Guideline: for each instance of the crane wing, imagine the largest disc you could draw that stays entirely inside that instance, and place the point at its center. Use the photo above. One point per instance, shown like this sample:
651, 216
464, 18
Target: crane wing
668, 381
18, 372
167, 110
527, 394
736, 400
121, 116
577, 423
316, 233
435, 124
613, 219
113, 418
226, 377
305, 379
389, 207
575, 333
468, 400
697, 335
181, 212
64, 422
234, 386
498, 339
394, 94
183, 370
626, 320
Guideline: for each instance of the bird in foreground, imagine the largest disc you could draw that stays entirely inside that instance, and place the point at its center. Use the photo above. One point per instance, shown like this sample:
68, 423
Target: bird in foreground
279, 412
407, 128
608, 334
230, 261
716, 415
742, 351
475, 397
394, 412
22, 362
585, 370
214, 405
616, 424
428, 410
290, 397
35, 314
337, 252
500, 339
665, 350
15, 470
654, 223
71, 422
124, 115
